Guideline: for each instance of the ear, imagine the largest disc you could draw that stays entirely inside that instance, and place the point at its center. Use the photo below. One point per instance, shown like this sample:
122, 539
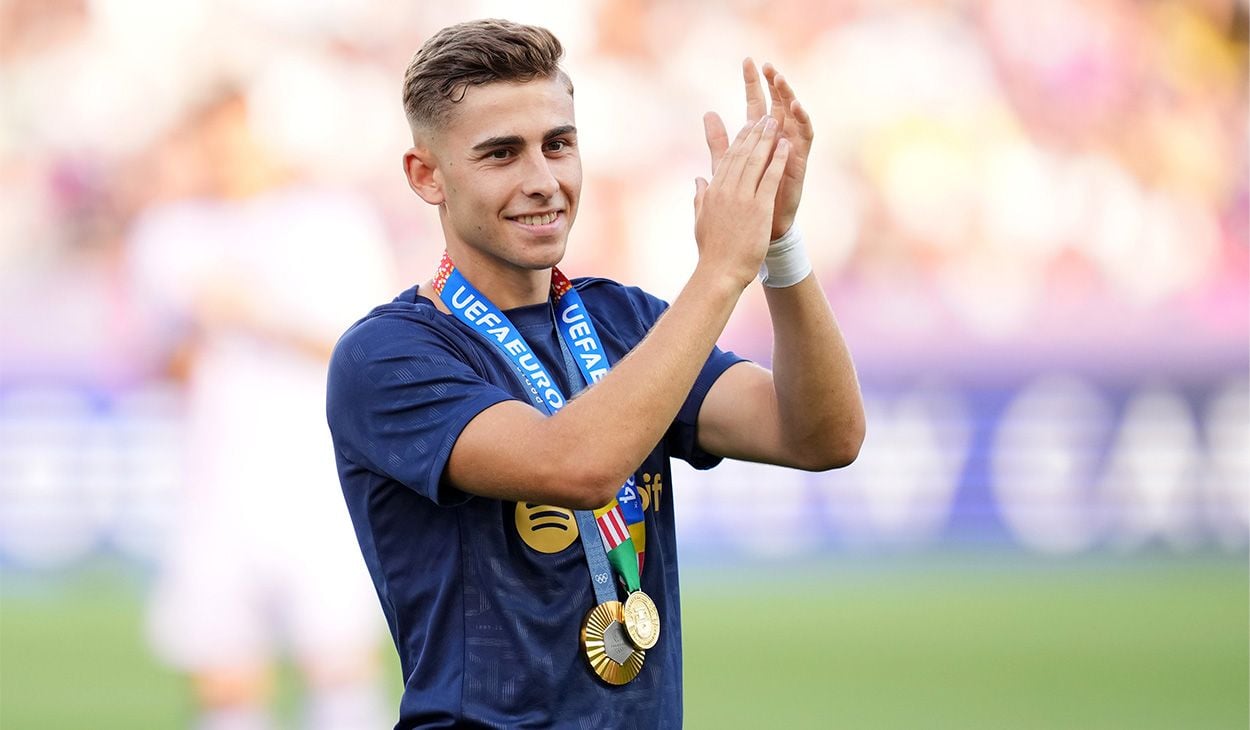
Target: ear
421, 169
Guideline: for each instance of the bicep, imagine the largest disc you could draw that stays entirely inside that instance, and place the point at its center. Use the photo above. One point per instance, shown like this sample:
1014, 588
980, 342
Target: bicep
513, 452
739, 417
500, 455
400, 409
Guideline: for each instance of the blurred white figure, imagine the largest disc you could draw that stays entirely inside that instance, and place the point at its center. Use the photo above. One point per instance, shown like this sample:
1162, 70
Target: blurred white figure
1044, 463
262, 275
1227, 481
1154, 472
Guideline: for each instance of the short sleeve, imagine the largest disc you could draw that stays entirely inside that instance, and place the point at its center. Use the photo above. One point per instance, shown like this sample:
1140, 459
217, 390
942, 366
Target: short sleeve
399, 393
682, 437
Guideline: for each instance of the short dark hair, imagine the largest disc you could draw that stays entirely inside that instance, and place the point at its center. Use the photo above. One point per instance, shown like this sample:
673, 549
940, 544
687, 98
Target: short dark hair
474, 53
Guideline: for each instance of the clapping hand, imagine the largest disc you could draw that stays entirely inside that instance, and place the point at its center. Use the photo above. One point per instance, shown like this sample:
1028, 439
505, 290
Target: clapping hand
795, 127
734, 210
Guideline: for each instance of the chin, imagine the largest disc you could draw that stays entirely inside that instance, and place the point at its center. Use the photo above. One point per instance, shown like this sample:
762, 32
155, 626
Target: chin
547, 255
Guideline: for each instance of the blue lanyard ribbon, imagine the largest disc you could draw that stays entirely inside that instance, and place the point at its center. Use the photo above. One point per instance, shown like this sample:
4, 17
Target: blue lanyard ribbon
582, 351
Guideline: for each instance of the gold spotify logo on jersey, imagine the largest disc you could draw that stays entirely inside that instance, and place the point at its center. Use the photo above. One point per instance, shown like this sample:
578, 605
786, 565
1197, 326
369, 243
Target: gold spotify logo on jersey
545, 528
651, 490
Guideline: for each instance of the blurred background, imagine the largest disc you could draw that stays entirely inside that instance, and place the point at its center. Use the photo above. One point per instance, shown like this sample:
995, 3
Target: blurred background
1031, 219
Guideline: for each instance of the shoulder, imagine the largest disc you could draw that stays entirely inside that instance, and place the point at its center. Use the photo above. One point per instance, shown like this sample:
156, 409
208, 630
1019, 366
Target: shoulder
405, 328
405, 313
612, 301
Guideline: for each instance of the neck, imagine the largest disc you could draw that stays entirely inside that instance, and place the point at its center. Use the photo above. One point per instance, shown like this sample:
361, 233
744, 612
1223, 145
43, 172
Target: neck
506, 288
517, 291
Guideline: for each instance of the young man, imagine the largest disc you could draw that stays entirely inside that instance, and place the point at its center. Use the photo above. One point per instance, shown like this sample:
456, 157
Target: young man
528, 578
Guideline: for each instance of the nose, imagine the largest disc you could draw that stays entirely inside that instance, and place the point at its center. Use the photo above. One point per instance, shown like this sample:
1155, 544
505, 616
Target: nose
539, 180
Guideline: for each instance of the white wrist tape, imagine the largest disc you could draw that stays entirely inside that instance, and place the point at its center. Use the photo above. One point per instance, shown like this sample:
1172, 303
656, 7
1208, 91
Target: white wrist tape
786, 263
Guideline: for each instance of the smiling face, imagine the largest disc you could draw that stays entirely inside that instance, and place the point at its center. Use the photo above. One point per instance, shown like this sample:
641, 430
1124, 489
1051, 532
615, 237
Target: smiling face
506, 175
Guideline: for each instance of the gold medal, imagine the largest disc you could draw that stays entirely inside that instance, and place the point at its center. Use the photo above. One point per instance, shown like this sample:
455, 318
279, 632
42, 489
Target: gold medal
608, 646
642, 620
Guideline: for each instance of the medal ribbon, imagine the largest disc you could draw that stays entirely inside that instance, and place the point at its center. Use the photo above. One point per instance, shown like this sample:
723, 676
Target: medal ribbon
613, 530
615, 526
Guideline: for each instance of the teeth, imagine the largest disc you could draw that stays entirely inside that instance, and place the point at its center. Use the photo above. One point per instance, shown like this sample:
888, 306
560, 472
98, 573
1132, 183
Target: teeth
537, 220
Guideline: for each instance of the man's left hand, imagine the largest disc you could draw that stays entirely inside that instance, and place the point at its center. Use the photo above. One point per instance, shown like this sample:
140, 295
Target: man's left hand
792, 120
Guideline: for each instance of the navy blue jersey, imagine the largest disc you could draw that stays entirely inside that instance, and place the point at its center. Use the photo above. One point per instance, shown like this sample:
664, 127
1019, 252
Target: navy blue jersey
485, 598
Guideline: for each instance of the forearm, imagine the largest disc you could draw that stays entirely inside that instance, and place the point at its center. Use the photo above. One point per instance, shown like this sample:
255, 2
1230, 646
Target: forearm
268, 328
228, 305
579, 456
615, 424
820, 411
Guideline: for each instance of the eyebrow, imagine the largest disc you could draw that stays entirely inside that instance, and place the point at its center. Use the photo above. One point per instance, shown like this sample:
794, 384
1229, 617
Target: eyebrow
514, 140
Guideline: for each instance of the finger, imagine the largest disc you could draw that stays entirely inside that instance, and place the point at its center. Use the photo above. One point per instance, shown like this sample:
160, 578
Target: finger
730, 165
700, 191
717, 138
756, 106
778, 107
771, 179
803, 121
762, 144
745, 151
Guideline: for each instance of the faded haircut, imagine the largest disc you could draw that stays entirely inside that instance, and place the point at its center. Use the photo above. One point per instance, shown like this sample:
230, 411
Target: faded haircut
471, 54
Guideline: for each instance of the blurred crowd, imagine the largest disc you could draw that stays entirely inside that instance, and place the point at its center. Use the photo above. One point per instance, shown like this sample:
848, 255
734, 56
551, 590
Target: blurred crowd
1029, 182
1003, 197
1031, 218
1002, 193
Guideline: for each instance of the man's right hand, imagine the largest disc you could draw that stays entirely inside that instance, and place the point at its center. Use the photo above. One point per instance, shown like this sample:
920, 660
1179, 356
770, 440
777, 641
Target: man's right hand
734, 212
578, 457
